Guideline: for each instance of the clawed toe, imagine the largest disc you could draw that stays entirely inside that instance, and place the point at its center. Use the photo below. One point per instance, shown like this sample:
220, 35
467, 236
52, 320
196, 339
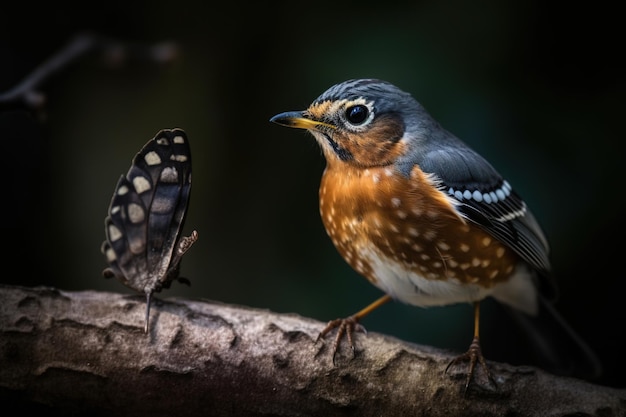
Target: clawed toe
473, 355
346, 327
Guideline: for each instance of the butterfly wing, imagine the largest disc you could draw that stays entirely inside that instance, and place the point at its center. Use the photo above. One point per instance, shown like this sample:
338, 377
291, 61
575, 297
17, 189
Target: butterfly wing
146, 215
163, 167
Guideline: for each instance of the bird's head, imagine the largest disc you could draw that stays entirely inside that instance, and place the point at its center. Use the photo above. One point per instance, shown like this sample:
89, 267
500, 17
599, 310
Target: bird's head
363, 122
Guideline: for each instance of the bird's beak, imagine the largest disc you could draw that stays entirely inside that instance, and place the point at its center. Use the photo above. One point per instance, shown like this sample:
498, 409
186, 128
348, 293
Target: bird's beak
298, 120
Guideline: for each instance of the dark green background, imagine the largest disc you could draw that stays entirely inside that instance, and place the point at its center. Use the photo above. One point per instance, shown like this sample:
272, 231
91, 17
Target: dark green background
536, 87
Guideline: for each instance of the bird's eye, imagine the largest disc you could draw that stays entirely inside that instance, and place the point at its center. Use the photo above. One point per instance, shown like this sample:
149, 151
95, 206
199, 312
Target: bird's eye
357, 114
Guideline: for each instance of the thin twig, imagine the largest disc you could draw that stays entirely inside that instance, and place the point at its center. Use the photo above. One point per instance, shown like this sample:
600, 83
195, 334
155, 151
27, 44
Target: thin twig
27, 91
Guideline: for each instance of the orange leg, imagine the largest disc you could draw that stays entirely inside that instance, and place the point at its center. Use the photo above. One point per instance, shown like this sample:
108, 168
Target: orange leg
474, 352
346, 327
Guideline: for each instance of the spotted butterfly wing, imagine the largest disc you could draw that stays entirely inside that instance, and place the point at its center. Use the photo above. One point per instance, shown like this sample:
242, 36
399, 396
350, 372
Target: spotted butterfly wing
143, 245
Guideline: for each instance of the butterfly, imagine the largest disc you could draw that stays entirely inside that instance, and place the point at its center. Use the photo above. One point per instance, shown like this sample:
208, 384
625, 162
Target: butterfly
143, 245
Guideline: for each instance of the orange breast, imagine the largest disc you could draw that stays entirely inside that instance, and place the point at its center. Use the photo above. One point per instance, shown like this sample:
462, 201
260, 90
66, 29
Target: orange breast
409, 222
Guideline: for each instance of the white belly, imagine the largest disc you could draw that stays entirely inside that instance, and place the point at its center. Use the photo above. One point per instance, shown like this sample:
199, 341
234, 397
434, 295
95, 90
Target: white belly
412, 288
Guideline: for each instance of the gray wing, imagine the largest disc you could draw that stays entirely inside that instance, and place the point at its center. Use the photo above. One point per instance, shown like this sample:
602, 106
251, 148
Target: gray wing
488, 200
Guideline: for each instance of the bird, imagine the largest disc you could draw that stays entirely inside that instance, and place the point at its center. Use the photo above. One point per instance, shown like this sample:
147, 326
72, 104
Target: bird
143, 244
429, 221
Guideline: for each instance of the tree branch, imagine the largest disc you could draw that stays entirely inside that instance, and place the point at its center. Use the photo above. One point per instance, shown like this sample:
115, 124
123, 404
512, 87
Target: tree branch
85, 352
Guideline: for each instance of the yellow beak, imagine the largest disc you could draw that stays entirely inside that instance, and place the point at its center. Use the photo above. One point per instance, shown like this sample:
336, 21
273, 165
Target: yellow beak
298, 120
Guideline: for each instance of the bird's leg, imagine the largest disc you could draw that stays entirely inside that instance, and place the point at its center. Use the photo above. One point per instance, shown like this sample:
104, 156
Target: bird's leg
474, 352
347, 326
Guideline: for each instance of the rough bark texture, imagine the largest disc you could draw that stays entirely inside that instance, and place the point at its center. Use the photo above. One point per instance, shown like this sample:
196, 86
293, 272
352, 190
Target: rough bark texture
74, 353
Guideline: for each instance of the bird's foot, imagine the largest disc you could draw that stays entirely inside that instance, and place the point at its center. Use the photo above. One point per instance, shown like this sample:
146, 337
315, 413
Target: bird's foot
473, 355
345, 328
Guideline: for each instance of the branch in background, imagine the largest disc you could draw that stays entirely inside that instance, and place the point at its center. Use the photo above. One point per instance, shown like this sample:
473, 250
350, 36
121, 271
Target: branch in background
114, 53
70, 353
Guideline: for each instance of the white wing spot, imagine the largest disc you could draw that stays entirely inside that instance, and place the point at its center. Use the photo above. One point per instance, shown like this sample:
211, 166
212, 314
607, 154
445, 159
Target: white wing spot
152, 158
137, 245
141, 184
136, 213
506, 187
169, 175
114, 233
179, 158
110, 254
488, 197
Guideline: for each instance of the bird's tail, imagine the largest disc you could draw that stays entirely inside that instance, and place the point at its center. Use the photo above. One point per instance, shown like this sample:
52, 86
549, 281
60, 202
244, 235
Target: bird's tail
559, 349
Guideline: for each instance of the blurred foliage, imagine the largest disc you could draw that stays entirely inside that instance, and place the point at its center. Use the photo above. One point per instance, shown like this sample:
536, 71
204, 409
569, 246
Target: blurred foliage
535, 87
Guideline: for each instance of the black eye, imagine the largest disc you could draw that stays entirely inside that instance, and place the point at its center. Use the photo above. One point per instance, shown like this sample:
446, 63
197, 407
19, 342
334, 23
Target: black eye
357, 114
